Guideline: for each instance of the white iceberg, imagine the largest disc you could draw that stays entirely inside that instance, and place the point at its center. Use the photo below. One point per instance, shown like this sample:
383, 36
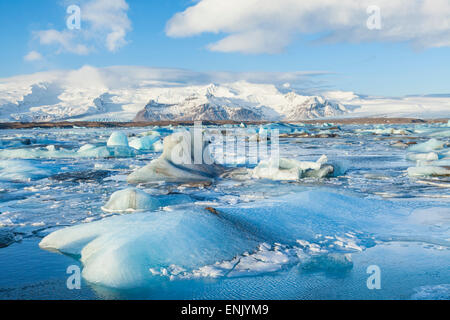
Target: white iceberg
290, 169
129, 200
117, 138
182, 160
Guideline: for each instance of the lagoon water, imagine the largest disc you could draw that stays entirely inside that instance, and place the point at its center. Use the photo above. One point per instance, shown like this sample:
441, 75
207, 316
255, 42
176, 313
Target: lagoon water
306, 239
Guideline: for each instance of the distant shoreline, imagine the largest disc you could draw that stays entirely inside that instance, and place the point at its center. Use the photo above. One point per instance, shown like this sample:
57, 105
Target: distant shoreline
101, 124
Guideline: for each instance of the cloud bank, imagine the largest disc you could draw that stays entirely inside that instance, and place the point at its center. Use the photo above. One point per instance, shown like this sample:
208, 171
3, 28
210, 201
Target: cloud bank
267, 26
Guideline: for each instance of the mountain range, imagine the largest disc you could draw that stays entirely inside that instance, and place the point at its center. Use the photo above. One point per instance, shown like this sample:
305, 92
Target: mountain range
146, 94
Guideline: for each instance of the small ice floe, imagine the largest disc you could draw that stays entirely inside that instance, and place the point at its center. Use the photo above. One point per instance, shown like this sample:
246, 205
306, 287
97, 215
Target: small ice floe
434, 171
129, 200
431, 156
380, 130
429, 146
291, 169
181, 161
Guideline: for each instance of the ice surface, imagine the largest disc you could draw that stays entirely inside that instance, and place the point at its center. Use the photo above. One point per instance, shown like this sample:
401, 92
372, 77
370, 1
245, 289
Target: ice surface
127, 251
129, 200
21, 170
178, 162
117, 138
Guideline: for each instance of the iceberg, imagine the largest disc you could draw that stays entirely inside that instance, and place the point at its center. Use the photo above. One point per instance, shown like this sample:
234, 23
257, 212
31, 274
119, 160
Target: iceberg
144, 143
129, 200
290, 169
117, 138
430, 145
181, 161
119, 251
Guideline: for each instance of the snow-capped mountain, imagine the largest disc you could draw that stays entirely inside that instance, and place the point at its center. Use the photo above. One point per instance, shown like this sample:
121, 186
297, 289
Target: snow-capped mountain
232, 102
136, 93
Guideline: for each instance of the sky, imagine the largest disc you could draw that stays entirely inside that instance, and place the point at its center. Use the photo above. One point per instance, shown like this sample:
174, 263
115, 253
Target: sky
377, 47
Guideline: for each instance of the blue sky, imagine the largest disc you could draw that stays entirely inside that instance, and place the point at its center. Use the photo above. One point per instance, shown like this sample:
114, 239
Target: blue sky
366, 64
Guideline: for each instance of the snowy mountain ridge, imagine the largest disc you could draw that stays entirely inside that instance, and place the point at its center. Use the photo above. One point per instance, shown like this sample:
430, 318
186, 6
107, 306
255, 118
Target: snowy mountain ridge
127, 93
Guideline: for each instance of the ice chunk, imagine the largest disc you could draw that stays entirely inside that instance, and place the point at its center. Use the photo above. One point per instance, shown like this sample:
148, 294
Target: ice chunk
91, 151
428, 171
431, 156
428, 146
119, 251
117, 138
144, 143
181, 161
129, 200
290, 169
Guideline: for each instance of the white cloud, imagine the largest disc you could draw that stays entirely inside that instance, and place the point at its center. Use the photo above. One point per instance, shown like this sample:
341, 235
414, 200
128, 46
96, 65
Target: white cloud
104, 23
64, 40
33, 56
268, 26
109, 19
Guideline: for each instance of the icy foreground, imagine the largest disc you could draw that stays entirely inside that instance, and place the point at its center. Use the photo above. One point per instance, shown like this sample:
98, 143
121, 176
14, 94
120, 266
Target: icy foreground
145, 94
125, 251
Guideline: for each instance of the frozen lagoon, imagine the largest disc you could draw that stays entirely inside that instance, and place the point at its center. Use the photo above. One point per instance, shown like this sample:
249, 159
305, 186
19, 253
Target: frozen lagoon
311, 238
